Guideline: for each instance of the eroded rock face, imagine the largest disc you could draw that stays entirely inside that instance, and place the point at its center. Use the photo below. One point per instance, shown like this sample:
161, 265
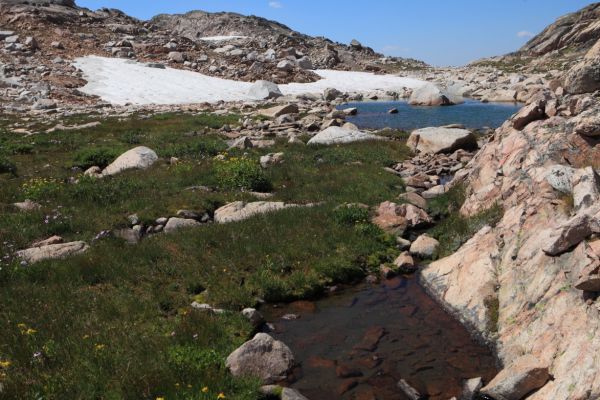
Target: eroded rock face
262, 357
441, 140
137, 158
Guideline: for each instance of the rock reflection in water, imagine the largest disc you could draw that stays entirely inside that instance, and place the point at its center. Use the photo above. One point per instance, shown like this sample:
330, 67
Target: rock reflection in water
359, 343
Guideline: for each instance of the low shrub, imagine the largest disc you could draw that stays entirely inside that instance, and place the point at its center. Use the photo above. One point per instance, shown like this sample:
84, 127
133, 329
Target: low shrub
242, 173
7, 166
95, 156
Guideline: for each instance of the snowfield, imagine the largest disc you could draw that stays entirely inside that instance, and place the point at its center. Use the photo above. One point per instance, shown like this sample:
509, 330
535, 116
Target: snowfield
120, 81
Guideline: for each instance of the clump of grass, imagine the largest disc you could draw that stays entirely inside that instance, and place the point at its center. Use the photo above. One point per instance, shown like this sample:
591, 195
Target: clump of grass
132, 137
242, 173
95, 156
197, 147
395, 134
7, 166
455, 229
351, 214
492, 311
41, 188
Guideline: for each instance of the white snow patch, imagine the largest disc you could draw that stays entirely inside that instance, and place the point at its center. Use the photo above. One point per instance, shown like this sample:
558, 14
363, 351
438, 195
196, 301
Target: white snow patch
120, 81
222, 38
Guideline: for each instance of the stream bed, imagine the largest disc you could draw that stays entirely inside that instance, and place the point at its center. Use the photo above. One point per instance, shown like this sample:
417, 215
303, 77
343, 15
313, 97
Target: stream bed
357, 343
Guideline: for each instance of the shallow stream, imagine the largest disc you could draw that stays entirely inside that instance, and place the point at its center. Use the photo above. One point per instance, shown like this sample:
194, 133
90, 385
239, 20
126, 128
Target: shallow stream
359, 342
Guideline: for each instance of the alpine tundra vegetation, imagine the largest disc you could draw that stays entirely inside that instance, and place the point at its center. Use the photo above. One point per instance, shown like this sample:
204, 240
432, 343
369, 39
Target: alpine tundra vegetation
215, 206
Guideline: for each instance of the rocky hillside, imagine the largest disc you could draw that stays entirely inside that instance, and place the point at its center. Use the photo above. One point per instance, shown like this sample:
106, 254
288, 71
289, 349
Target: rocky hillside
558, 47
575, 31
41, 39
530, 283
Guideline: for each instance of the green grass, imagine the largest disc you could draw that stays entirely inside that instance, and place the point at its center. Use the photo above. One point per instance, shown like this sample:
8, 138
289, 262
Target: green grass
116, 322
454, 229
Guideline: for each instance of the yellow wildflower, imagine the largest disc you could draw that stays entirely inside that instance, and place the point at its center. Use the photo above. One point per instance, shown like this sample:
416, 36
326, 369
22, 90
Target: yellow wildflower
221, 396
5, 364
205, 389
160, 398
100, 346
30, 331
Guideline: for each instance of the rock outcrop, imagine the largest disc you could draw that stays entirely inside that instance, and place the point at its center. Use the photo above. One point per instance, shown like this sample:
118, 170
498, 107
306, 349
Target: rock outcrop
52, 251
524, 283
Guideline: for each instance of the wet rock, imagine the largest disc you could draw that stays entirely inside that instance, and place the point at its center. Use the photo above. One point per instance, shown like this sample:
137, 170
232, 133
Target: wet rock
347, 371
441, 140
137, 158
175, 224
337, 135
53, 251
371, 339
470, 388
254, 316
262, 357
519, 379
424, 247
409, 391
428, 95
404, 262
291, 394
264, 90
347, 386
